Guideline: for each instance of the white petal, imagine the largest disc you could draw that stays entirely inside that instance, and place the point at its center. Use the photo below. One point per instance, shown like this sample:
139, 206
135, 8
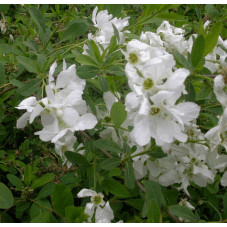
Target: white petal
219, 85
23, 120
141, 133
87, 121
132, 101
176, 81
86, 192
94, 15
64, 65
168, 178
35, 113
109, 100
28, 104
104, 215
89, 210
224, 179
66, 77
51, 72
59, 136
70, 116
189, 110
139, 169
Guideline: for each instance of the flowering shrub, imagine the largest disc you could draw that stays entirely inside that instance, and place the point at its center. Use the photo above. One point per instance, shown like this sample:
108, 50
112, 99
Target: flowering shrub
128, 109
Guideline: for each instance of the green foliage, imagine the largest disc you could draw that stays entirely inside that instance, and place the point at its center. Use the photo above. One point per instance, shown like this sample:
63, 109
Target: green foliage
183, 212
35, 185
118, 114
6, 197
61, 198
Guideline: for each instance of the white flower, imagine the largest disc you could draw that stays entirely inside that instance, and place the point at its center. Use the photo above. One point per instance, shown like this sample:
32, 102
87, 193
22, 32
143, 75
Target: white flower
163, 120
104, 22
172, 37
33, 110
224, 179
102, 210
219, 85
217, 135
138, 53
151, 39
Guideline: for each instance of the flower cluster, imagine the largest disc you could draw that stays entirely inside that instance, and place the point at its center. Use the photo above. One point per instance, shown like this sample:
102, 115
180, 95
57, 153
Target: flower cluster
155, 109
62, 112
156, 86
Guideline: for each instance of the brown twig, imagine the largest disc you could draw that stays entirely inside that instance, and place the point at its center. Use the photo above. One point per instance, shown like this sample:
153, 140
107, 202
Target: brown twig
9, 89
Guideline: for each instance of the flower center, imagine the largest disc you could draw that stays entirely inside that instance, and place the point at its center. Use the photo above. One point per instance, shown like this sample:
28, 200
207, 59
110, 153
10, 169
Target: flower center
154, 110
97, 199
133, 58
148, 83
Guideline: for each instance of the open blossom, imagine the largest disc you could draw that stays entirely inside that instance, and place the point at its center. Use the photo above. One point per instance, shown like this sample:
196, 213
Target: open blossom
217, 135
172, 37
184, 163
102, 209
104, 23
62, 112
163, 120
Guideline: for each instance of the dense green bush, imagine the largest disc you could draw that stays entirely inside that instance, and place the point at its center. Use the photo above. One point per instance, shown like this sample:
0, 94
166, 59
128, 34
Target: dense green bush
37, 185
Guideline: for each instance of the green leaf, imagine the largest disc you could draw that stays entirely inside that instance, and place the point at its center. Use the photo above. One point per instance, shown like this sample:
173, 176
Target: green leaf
85, 60
1, 114
103, 83
197, 51
30, 88
38, 18
113, 45
87, 71
46, 190
191, 91
27, 174
181, 60
116, 32
129, 175
108, 145
211, 38
114, 9
40, 206
118, 114
182, 212
76, 158
5, 96
136, 203
29, 64
46, 178
116, 188
225, 205
75, 214
110, 163
78, 28
6, 197
171, 195
15, 181
16, 83
42, 218
154, 213
153, 192
171, 16
61, 197
2, 73
95, 50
